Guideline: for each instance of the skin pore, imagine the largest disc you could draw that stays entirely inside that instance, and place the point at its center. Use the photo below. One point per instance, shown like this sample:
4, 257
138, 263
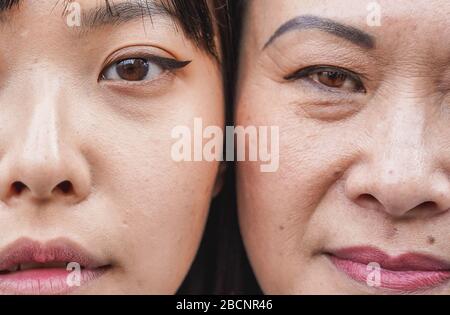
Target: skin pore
86, 121
364, 146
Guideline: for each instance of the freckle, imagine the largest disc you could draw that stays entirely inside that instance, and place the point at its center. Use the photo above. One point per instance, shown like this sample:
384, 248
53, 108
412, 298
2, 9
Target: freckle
431, 240
281, 228
391, 172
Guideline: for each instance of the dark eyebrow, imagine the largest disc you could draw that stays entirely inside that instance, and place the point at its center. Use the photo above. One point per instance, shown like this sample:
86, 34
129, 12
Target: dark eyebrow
110, 13
117, 13
303, 22
7, 5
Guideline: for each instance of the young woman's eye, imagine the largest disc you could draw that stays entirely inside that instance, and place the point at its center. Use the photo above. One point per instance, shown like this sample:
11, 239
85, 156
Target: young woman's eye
131, 70
333, 78
140, 69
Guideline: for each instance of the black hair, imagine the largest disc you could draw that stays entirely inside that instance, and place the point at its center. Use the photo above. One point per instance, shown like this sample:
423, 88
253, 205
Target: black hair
221, 265
7, 4
194, 17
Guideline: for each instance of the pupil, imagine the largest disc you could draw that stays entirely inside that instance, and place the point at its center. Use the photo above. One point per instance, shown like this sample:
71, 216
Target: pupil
333, 78
133, 69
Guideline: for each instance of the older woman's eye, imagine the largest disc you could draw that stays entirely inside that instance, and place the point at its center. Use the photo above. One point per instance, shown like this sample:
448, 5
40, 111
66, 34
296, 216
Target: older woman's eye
333, 78
140, 69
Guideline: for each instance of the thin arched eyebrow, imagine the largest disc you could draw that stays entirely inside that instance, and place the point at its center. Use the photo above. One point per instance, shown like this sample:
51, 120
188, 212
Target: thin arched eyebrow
305, 22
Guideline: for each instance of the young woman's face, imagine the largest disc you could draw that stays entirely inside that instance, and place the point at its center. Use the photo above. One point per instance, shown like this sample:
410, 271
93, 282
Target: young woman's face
361, 201
86, 175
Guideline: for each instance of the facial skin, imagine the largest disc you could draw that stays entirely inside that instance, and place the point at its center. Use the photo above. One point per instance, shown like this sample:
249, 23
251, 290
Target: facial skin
364, 145
68, 116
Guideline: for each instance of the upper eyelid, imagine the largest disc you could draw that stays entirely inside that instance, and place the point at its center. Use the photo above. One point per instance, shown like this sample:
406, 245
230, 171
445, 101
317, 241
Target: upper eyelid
317, 68
138, 51
162, 61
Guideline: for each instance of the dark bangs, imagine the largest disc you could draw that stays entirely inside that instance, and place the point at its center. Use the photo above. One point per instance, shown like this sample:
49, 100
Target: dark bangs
194, 17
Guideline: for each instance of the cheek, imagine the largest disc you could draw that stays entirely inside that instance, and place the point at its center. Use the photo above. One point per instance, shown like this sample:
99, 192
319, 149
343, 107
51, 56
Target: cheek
155, 208
162, 217
306, 170
281, 213
277, 207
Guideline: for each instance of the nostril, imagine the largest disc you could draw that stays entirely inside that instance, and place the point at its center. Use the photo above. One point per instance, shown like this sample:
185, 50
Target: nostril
368, 201
425, 209
17, 188
427, 206
65, 187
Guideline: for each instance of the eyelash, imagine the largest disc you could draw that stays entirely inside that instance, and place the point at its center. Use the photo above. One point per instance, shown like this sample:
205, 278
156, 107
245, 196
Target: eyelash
306, 73
168, 65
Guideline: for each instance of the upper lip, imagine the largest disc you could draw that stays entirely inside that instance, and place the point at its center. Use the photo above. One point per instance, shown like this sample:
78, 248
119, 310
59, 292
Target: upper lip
26, 251
404, 262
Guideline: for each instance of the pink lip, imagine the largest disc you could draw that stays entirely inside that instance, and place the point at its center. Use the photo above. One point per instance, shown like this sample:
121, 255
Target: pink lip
51, 280
409, 272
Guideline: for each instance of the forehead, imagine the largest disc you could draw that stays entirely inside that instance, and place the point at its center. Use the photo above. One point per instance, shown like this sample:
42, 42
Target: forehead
429, 18
191, 18
63, 7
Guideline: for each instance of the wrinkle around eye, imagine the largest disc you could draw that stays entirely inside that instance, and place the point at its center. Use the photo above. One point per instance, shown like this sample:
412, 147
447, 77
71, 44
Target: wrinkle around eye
326, 111
282, 60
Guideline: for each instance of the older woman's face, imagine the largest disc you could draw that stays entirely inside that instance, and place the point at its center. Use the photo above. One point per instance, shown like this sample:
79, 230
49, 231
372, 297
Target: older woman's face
361, 201
86, 174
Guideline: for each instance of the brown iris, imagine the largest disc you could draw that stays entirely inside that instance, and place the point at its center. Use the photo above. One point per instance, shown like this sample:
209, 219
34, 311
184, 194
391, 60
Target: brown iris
332, 79
132, 69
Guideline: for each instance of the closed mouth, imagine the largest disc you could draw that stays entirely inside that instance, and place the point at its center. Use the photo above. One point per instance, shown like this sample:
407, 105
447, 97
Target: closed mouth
35, 265
56, 267
408, 273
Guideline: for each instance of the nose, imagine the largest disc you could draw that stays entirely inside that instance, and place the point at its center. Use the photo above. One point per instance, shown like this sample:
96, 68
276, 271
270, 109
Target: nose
401, 173
42, 162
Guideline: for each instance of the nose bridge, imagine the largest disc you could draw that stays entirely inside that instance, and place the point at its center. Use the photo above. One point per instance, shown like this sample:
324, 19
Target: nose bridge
41, 144
39, 164
402, 155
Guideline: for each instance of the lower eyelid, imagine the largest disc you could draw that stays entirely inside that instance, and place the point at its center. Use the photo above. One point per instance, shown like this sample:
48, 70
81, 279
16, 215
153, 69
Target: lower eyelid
164, 76
327, 111
145, 89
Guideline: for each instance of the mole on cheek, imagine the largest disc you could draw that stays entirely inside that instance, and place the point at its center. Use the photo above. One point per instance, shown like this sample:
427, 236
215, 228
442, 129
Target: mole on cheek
431, 240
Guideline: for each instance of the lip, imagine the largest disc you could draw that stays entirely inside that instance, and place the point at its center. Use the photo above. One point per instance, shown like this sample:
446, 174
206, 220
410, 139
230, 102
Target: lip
409, 272
47, 280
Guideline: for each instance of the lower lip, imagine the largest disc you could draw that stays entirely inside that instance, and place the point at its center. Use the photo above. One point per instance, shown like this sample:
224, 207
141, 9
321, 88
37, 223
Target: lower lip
400, 281
47, 281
